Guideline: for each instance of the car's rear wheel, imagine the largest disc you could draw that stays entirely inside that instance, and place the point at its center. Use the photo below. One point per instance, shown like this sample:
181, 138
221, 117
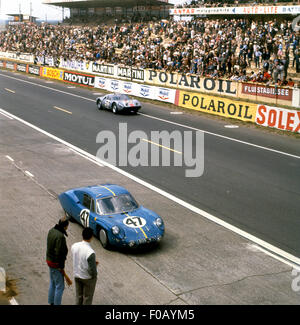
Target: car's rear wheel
104, 239
115, 108
99, 105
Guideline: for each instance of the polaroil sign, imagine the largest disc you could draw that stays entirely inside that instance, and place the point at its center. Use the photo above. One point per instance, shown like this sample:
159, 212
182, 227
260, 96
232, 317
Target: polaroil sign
218, 106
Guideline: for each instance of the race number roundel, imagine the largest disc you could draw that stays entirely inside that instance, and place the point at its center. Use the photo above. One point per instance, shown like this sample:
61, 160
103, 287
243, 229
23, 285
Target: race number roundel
134, 222
84, 217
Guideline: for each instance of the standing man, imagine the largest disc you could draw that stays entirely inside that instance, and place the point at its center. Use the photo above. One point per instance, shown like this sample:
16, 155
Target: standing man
56, 256
84, 268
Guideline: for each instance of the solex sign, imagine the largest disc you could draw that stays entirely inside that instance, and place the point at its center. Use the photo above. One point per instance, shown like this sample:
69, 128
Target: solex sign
282, 119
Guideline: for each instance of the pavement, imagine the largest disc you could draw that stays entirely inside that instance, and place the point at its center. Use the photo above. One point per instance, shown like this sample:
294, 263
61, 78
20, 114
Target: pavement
197, 263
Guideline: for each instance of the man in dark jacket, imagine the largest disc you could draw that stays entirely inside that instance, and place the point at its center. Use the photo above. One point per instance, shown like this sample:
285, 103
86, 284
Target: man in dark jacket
56, 255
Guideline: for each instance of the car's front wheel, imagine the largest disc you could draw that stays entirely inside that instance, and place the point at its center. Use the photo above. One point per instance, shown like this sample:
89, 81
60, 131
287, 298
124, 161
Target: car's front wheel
104, 239
99, 105
69, 217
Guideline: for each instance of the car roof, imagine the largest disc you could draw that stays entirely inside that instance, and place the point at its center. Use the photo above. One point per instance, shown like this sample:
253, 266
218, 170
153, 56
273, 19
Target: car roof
103, 190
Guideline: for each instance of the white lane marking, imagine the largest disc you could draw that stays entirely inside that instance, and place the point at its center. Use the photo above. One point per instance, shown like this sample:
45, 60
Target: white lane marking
275, 256
8, 157
11, 91
2, 113
166, 121
260, 242
221, 136
86, 157
28, 173
230, 126
176, 113
71, 87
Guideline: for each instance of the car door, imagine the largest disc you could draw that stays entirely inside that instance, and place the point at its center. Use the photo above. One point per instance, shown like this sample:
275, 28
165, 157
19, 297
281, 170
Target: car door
107, 101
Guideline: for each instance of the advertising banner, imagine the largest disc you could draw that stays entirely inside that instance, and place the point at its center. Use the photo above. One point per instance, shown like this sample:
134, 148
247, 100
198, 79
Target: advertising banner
52, 73
282, 93
21, 67
33, 69
130, 73
191, 82
278, 118
74, 65
254, 10
135, 89
10, 65
106, 69
217, 106
79, 79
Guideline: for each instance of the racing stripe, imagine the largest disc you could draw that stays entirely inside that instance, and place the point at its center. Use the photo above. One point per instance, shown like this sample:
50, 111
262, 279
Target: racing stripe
143, 232
113, 193
141, 229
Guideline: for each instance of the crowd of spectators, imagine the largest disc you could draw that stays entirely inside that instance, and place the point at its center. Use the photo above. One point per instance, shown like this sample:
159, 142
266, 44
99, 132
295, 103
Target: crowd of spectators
236, 49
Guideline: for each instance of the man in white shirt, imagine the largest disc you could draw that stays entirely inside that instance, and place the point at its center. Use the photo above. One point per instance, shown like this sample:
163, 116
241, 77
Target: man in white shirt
84, 268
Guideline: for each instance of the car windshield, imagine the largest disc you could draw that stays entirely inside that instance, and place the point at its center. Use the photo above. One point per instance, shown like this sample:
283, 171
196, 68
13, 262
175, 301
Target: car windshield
121, 97
116, 204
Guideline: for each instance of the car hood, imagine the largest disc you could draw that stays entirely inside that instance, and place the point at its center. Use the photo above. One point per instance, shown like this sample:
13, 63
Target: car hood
139, 222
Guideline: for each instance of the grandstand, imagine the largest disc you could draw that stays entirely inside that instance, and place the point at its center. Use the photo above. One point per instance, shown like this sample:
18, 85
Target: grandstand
114, 8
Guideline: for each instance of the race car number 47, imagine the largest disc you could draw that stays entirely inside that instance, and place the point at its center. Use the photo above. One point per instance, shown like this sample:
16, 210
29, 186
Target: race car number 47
84, 217
134, 222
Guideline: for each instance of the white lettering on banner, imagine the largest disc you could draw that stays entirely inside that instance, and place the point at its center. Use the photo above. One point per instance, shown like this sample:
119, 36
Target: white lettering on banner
130, 73
278, 118
114, 85
72, 64
127, 87
79, 79
103, 68
256, 10
145, 91
34, 70
21, 67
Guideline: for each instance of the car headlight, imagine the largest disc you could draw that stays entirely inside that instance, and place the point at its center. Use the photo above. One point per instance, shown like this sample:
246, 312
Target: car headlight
158, 222
115, 230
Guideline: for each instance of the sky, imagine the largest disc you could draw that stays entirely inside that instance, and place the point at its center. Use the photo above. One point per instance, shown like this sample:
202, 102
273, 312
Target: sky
39, 10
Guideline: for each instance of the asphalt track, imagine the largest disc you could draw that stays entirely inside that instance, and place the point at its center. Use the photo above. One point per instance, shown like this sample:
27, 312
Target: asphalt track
248, 186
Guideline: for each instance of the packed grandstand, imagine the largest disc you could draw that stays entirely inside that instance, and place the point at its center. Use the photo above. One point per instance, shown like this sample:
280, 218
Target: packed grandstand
257, 49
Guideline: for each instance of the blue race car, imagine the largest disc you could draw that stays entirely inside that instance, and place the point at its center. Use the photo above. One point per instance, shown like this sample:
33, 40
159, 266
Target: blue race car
113, 214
